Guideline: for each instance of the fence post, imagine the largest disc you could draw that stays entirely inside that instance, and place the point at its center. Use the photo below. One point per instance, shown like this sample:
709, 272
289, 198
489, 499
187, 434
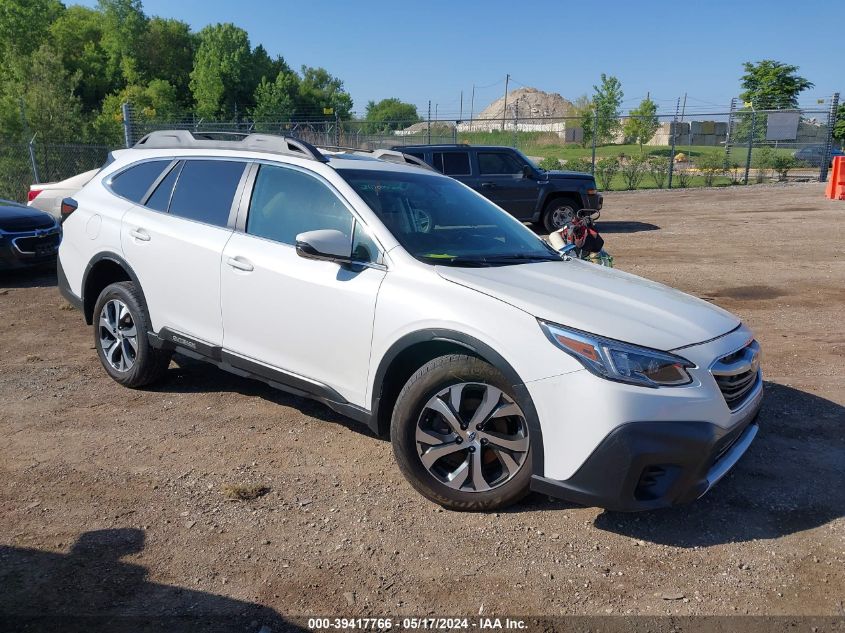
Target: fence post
428, 127
674, 132
32, 160
595, 133
337, 129
831, 121
750, 144
127, 124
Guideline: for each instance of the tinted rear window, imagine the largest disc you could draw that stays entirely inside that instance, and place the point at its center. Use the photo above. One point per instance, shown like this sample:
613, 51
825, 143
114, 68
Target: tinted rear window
452, 163
205, 190
135, 181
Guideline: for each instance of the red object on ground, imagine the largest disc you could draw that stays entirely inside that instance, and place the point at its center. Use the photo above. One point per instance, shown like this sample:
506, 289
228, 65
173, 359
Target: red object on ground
836, 183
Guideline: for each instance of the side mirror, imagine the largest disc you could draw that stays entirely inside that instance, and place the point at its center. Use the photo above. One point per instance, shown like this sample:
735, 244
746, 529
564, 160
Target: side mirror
325, 244
527, 172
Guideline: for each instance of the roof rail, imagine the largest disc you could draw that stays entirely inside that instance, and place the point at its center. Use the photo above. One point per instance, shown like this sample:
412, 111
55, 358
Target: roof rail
185, 139
389, 155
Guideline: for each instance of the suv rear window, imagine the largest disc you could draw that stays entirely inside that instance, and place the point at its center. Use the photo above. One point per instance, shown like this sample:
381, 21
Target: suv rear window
452, 163
205, 190
498, 163
136, 181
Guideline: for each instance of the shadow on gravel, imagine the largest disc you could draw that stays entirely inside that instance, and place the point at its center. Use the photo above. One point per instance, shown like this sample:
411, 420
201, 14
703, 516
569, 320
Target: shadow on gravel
196, 376
91, 589
621, 226
790, 480
42, 277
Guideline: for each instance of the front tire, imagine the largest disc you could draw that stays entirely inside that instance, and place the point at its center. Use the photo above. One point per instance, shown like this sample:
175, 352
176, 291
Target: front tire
459, 436
120, 336
558, 213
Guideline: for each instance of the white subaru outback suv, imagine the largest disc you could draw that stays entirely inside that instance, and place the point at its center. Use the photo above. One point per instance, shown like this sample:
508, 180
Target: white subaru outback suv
405, 300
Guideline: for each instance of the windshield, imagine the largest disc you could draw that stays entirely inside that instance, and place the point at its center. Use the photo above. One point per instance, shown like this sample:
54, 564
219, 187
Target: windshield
439, 221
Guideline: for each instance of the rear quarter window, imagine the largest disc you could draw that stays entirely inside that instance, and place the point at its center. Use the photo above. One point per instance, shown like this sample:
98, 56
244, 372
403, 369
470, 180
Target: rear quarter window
133, 183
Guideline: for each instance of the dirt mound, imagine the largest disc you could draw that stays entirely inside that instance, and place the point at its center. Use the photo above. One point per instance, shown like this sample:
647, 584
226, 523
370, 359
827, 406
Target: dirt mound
532, 103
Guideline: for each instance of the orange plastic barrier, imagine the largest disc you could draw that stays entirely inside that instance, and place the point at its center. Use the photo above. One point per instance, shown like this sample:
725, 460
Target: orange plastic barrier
836, 183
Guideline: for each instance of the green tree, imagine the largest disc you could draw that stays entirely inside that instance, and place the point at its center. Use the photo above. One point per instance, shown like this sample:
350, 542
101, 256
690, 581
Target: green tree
275, 101
770, 85
839, 126
606, 102
77, 35
158, 100
50, 104
319, 91
222, 77
643, 123
390, 114
169, 48
124, 26
24, 25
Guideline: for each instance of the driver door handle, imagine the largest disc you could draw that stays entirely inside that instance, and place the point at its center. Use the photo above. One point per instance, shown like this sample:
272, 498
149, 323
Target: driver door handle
488, 185
240, 263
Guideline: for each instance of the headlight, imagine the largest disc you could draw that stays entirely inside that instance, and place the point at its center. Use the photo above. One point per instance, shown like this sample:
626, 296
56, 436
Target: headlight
619, 361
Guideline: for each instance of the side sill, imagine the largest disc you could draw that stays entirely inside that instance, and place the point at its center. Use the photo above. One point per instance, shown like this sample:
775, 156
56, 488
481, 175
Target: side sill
246, 368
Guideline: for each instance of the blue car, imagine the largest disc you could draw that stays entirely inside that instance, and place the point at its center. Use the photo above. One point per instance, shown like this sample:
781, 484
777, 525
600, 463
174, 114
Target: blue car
814, 154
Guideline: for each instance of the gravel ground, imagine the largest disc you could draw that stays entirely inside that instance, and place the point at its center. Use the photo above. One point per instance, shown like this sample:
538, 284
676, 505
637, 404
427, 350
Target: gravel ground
114, 501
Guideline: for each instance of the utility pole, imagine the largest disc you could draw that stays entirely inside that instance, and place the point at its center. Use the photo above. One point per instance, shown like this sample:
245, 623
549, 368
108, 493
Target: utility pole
472, 104
750, 144
461, 115
505, 107
674, 134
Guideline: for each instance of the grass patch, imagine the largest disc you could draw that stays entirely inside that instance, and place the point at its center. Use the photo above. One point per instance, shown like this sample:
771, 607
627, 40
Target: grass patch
244, 492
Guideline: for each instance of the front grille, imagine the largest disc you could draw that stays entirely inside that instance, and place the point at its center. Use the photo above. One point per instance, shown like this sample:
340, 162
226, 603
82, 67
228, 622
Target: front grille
38, 244
737, 374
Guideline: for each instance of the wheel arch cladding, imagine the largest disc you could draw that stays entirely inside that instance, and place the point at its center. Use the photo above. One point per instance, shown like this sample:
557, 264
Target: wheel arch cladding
103, 270
414, 350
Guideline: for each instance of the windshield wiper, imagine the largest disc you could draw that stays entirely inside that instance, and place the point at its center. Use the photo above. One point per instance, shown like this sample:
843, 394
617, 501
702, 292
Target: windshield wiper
523, 257
492, 260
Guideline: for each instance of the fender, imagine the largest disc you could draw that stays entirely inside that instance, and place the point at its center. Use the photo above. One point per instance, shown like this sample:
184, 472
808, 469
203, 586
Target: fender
88, 302
483, 351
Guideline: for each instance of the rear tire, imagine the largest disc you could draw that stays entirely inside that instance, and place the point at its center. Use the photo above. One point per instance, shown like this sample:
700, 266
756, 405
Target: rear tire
459, 436
120, 336
558, 213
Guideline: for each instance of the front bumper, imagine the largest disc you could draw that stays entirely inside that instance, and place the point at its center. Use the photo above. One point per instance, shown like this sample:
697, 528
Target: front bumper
24, 250
649, 465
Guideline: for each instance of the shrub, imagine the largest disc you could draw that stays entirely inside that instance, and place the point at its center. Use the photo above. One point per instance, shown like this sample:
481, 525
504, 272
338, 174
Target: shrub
682, 178
633, 172
735, 173
579, 164
782, 164
658, 169
762, 161
606, 169
549, 163
710, 166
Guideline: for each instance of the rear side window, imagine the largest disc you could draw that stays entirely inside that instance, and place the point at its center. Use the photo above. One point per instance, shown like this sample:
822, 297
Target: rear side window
452, 163
205, 190
136, 181
498, 163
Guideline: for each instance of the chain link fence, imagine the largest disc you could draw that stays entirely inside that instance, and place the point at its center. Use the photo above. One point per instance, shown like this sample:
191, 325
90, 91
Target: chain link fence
705, 147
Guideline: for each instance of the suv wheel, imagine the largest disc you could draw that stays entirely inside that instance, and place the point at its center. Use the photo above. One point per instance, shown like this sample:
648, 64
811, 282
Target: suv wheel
459, 436
120, 336
558, 214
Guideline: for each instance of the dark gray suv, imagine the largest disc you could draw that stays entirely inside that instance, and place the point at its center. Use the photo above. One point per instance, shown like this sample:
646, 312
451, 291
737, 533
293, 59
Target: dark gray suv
508, 178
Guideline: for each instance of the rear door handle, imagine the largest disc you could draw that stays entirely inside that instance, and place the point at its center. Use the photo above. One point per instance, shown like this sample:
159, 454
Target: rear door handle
488, 185
140, 234
240, 263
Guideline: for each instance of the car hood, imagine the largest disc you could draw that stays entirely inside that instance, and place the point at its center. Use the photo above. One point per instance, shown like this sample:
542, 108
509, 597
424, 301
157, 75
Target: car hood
20, 218
600, 300
566, 175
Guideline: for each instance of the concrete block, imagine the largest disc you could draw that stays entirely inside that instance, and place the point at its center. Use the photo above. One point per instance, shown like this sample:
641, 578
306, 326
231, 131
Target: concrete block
708, 127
